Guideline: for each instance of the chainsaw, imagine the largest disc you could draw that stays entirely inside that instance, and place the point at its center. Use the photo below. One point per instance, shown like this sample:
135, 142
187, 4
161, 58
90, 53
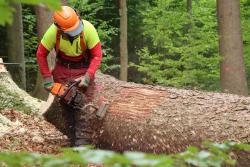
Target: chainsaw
70, 95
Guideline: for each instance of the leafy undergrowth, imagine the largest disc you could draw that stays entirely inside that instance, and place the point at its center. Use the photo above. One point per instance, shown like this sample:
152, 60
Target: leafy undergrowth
34, 142
215, 155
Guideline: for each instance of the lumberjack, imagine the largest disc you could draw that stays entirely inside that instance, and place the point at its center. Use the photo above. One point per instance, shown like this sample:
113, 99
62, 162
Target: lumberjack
78, 53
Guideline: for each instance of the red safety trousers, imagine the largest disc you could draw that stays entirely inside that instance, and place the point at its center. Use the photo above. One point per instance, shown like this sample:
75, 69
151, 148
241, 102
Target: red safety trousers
63, 74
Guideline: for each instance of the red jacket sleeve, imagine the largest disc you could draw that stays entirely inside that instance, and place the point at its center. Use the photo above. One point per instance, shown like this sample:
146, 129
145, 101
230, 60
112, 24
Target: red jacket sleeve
95, 60
41, 57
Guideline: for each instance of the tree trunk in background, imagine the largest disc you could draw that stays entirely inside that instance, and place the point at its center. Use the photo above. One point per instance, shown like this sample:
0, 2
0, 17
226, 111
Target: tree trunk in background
123, 41
189, 10
16, 47
189, 6
44, 20
233, 77
64, 2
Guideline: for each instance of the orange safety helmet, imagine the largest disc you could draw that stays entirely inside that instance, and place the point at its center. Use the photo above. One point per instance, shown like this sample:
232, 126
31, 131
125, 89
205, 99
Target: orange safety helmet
68, 21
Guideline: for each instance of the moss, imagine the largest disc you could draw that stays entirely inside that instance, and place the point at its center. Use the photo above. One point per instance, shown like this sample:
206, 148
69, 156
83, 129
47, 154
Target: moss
4, 120
12, 100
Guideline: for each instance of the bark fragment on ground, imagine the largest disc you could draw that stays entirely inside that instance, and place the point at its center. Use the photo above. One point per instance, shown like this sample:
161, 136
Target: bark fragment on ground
30, 133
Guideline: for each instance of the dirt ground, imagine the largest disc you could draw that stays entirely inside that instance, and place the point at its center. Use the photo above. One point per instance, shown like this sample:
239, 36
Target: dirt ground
30, 133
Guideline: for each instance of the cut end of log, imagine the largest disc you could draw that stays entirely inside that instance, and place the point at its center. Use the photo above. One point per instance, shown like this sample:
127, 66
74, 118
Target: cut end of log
2, 68
46, 104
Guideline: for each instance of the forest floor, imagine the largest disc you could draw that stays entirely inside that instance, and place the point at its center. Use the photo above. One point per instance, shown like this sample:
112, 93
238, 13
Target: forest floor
31, 134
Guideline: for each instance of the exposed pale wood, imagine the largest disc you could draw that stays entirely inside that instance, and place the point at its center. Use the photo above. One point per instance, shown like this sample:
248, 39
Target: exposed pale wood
2, 67
45, 105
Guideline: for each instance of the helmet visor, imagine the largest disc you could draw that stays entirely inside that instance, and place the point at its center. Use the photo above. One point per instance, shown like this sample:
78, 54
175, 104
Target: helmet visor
76, 31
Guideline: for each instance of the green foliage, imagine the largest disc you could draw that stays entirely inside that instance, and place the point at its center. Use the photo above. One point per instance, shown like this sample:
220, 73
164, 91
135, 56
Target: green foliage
135, 34
30, 35
7, 11
181, 52
94, 12
166, 44
213, 155
245, 15
30, 45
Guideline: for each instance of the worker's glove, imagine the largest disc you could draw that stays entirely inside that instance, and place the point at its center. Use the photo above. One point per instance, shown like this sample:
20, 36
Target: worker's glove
84, 80
48, 83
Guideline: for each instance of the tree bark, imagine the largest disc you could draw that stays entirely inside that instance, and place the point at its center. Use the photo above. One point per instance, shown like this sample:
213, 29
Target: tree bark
123, 41
189, 6
233, 77
16, 47
64, 2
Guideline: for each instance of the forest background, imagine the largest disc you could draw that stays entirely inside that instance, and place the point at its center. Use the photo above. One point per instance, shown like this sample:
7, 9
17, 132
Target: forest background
169, 42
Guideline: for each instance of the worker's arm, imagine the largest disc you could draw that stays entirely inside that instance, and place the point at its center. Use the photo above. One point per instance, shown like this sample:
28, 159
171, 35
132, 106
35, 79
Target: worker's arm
41, 56
95, 59
47, 44
94, 45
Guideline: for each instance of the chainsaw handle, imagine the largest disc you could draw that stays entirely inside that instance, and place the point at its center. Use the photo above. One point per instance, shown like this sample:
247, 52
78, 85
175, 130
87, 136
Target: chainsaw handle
74, 84
69, 88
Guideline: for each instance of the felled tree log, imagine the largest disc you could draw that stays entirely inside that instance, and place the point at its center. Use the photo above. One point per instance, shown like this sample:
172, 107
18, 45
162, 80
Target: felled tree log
158, 119
161, 119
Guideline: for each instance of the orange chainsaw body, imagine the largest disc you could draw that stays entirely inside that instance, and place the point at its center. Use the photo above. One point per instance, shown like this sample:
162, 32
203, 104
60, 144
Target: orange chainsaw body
58, 89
